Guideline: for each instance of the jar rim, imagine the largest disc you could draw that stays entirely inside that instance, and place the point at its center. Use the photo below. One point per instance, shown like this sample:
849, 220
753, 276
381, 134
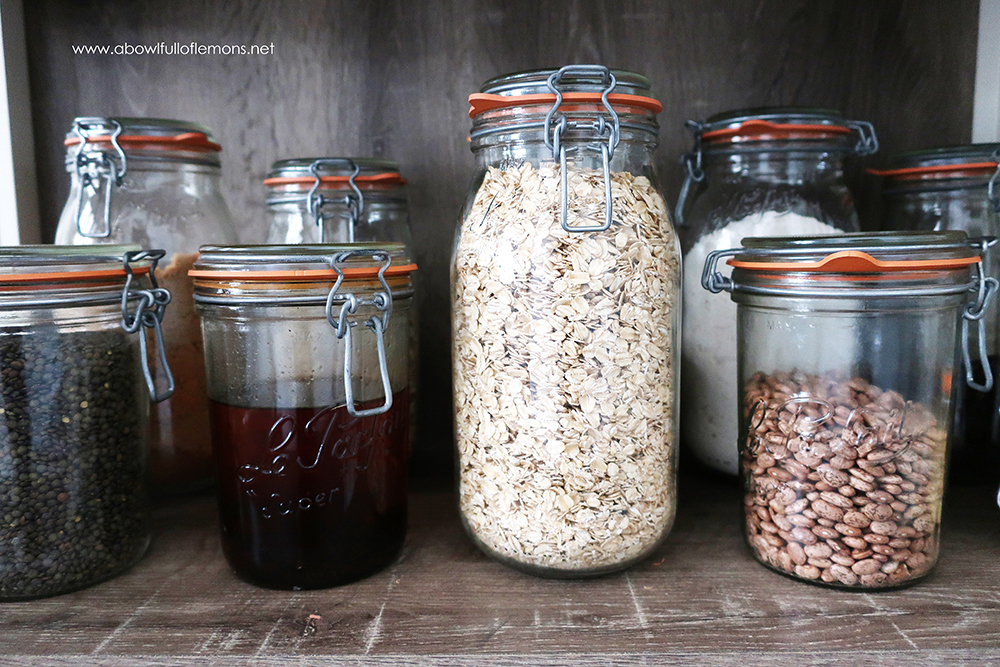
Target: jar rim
55, 263
743, 129
302, 263
976, 161
141, 133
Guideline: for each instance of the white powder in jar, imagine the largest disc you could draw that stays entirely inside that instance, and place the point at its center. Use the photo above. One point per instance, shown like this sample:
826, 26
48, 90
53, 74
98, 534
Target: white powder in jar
709, 382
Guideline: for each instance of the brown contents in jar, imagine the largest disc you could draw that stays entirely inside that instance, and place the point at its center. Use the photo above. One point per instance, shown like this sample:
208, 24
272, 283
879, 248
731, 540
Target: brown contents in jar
180, 439
843, 480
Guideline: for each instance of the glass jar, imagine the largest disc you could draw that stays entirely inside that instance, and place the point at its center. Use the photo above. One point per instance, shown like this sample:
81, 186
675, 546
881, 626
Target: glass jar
754, 172
306, 351
74, 413
942, 189
843, 448
156, 183
565, 316
344, 200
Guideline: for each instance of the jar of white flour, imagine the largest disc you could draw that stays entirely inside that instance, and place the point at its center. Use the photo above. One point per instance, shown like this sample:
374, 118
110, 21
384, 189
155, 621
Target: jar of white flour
754, 172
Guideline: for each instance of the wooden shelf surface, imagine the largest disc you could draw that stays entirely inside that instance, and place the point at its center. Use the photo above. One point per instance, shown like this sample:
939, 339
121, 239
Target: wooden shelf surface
700, 600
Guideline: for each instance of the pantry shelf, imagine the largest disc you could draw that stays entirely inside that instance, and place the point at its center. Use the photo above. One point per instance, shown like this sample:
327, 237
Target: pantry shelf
699, 600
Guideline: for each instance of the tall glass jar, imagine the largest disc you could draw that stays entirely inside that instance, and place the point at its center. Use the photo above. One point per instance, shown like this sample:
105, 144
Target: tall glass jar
156, 183
344, 200
74, 411
306, 350
843, 455
754, 172
942, 189
565, 316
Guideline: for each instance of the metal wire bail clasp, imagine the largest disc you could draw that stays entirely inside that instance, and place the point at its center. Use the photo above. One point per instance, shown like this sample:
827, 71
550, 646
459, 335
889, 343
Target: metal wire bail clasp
355, 201
342, 326
148, 314
867, 139
986, 288
694, 171
555, 126
711, 278
91, 168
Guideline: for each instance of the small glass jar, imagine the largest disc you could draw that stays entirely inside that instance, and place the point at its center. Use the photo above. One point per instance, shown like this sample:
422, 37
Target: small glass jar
306, 351
344, 200
565, 316
943, 189
843, 449
754, 172
74, 414
156, 183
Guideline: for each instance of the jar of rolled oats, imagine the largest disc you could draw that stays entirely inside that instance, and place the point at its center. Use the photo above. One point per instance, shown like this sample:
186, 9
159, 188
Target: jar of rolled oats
843, 448
565, 317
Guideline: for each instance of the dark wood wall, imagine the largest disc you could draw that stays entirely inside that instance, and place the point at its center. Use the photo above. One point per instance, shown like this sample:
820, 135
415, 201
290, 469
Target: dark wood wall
391, 78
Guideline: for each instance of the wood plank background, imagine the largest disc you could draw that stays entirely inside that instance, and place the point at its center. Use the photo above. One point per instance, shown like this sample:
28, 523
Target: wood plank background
699, 600
391, 77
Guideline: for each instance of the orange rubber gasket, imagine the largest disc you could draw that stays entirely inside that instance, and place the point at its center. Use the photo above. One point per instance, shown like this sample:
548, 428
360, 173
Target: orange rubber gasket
387, 179
65, 275
318, 275
765, 128
856, 261
932, 169
483, 102
185, 140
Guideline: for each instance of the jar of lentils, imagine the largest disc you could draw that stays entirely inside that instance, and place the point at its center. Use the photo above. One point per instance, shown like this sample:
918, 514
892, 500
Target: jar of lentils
843, 449
565, 312
75, 385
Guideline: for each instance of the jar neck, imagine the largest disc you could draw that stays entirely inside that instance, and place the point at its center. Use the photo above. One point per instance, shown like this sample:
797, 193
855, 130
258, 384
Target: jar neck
780, 166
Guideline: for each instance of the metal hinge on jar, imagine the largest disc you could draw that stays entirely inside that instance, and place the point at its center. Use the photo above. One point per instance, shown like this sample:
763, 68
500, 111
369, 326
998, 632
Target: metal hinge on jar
555, 126
993, 187
355, 200
148, 315
342, 325
92, 168
986, 288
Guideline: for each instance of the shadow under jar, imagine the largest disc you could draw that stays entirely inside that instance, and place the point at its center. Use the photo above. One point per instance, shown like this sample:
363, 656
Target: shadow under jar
950, 188
306, 356
842, 448
75, 386
776, 171
565, 318
156, 183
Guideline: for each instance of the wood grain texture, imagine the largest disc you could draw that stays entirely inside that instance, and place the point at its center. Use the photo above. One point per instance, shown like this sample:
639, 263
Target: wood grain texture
391, 77
699, 600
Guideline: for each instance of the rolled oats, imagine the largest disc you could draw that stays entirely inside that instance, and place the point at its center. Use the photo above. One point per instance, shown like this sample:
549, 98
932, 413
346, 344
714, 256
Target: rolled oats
564, 371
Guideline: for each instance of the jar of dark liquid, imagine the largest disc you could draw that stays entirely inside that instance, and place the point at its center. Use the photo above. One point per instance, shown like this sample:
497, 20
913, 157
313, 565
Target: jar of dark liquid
958, 188
306, 361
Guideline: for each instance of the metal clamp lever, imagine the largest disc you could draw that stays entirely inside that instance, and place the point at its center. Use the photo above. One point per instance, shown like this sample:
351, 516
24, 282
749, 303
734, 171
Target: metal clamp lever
867, 139
552, 134
694, 171
89, 170
355, 201
342, 326
149, 315
975, 312
711, 278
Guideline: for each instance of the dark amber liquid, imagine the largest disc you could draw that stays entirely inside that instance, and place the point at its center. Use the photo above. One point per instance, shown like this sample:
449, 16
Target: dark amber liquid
310, 497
